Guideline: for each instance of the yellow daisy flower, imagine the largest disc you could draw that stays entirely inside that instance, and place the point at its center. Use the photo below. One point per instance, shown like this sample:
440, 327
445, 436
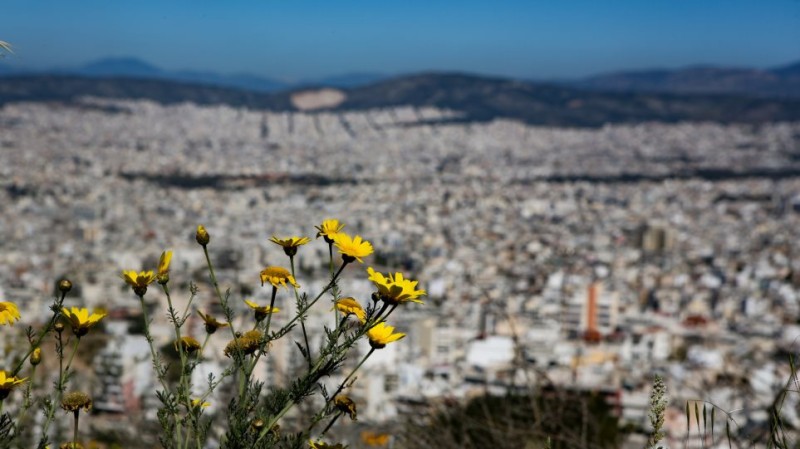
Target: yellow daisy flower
261, 312
328, 229
8, 313
138, 281
163, 267
277, 276
349, 306
211, 323
290, 244
200, 403
395, 289
352, 248
320, 445
381, 335
81, 320
7, 383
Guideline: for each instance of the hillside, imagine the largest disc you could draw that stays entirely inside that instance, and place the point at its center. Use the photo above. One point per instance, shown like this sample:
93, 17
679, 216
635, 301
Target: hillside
476, 98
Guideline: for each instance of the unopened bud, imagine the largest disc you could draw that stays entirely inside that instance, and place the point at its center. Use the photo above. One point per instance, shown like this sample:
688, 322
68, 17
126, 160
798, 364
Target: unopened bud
59, 327
64, 286
202, 236
257, 424
36, 356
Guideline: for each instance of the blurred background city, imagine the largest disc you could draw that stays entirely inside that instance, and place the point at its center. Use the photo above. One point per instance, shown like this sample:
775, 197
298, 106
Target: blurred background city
590, 192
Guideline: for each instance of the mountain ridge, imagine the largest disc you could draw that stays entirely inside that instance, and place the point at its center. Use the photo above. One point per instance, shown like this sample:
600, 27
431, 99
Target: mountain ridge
475, 98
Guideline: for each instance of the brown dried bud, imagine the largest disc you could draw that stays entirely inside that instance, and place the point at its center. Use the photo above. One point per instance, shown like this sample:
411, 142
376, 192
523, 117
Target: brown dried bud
64, 286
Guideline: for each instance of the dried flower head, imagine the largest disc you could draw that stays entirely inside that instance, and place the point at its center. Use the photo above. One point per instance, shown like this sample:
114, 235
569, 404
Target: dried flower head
247, 344
278, 277
188, 344
211, 323
346, 405
81, 320
76, 400
8, 313
352, 248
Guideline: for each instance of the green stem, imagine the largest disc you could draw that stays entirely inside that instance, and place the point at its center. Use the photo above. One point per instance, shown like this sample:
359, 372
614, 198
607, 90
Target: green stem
45, 331
156, 363
182, 387
344, 382
271, 305
75, 429
302, 322
224, 302
202, 348
328, 427
63, 379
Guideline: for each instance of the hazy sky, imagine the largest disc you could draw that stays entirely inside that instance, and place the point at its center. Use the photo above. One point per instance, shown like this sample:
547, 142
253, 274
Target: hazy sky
294, 39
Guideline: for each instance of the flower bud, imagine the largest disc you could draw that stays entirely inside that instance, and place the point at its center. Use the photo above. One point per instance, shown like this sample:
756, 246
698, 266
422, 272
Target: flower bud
202, 236
59, 327
257, 424
64, 286
36, 356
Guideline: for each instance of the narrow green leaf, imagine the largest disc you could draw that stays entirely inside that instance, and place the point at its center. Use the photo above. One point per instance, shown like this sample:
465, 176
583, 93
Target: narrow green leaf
713, 411
728, 432
688, 419
705, 428
697, 416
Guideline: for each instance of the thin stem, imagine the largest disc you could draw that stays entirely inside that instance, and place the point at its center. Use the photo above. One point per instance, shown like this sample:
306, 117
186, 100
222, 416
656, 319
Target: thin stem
45, 331
156, 363
271, 305
344, 382
328, 427
224, 302
75, 429
302, 321
202, 348
69, 363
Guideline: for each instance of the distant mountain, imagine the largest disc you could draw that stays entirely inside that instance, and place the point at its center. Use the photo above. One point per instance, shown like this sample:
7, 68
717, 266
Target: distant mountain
482, 98
347, 80
782, 82
476, 98
128, 67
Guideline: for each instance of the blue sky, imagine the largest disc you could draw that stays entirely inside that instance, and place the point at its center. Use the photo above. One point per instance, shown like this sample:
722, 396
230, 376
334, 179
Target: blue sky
295, 39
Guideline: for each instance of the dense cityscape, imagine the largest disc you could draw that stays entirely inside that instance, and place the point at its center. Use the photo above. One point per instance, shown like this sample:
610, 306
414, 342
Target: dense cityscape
588, 259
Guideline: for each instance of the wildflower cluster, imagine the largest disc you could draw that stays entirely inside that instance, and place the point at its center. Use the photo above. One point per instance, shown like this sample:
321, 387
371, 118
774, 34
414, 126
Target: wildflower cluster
254, 417
28, 357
